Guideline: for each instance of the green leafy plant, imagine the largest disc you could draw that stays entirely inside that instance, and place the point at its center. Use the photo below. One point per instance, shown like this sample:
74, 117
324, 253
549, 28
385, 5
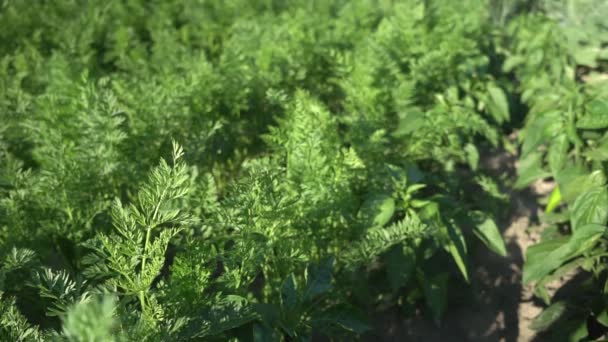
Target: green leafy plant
328, 166
563, 138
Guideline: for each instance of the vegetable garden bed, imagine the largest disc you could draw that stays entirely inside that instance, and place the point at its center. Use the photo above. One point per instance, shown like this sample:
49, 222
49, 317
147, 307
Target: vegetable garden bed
293, 170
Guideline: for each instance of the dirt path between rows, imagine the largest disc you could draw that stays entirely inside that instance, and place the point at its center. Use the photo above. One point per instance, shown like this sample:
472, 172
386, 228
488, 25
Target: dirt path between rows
496, 307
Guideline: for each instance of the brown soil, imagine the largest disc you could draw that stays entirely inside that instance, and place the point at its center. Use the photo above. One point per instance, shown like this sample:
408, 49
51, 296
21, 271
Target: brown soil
499, 308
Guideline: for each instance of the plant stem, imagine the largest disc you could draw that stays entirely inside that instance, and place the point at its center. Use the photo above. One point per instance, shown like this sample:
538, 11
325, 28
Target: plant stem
147, 242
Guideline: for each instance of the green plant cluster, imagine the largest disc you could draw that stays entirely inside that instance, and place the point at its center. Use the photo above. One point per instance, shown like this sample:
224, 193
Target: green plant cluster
281, 169
560, 61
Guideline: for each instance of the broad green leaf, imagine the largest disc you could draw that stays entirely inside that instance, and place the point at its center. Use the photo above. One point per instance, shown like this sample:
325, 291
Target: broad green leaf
599, 152
530, 169
498, 104
553, 219
551, 232
538, 252
536, 255
590, 207
575, 180
554, 200
488, 233
415, 203
414, 188
540, 263
431, 213
596, 116
593, 121
472, 156
586, 56
577, 330
540, 288
378, 209
512, 61
318, 279
542, 293
591, 135
558, 153
573, 134
583, 239
458, 249
603, 317
549, 316
540, 130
